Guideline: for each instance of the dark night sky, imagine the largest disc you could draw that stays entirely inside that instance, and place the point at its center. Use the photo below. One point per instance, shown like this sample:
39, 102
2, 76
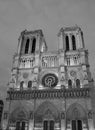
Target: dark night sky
48, 15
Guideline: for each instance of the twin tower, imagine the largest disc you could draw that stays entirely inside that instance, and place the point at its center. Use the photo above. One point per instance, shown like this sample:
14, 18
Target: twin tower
69, 64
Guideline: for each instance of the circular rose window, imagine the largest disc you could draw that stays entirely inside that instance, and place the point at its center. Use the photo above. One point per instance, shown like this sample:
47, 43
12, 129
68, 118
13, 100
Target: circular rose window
49, 80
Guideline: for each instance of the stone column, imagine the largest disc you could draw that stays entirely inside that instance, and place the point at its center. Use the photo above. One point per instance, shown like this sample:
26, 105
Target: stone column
31, 122
63, 121
90, 121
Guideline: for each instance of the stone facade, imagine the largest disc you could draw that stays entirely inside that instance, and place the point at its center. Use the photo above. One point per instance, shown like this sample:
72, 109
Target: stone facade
50, 90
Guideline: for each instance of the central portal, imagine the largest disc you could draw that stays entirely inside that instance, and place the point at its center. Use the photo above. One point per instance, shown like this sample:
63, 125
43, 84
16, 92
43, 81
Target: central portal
48, 125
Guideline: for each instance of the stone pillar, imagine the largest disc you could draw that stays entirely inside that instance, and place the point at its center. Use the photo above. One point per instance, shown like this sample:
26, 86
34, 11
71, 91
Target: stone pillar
5, 121
63, 121
31, 122
90, 121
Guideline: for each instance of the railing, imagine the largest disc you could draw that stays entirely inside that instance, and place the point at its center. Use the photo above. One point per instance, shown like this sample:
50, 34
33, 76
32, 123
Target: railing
26, 62
49, 61
48, 93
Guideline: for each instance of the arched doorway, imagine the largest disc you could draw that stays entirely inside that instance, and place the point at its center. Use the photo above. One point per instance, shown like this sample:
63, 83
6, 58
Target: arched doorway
47, 116
76, 116
18, 119
48, 120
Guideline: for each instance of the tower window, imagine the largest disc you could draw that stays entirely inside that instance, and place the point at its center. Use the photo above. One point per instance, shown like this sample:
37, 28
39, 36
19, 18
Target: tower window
29, 84
67, 43
73, 42
33, 45
21, 85
78, 83
70, 83
27, 46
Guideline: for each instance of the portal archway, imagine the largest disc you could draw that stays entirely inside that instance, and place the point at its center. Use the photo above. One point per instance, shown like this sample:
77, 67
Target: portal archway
19, 119
47, 108
75, 116
48, 114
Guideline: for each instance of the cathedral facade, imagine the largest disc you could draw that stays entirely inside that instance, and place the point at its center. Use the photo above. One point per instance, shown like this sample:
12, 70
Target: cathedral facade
50, 90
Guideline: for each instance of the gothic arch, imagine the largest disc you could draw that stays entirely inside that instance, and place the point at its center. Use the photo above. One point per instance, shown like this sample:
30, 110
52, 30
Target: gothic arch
70, 83
73, 42
29, 84
76, 111
33, 45
27, 46
19, 114
77, 83
67, 43
46, 110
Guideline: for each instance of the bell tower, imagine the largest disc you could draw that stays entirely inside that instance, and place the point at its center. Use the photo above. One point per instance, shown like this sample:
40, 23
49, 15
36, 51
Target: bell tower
76, 65
26, 61
71, 39
31, 42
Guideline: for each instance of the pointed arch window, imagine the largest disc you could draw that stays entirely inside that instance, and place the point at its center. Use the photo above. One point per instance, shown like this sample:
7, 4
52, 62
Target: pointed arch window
29, 84
78, 83
1, 109
70, 83
73, 42
21, 85
33, 45
27, 46
67, 43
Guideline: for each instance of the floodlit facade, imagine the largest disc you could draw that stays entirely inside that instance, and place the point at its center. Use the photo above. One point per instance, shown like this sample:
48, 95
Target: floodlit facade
50, 90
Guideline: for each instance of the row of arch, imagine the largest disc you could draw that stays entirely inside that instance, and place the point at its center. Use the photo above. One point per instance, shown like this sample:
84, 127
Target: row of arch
70, 85
28, 41
68, 43
27, 45
47, 113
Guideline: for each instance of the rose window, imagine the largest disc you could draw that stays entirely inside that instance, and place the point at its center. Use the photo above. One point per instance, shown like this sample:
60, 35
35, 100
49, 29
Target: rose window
49, 80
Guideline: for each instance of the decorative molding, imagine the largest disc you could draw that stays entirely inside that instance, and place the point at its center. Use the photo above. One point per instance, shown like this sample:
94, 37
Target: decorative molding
48, 93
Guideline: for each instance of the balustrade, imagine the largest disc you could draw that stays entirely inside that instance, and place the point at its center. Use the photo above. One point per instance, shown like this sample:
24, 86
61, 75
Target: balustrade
26, 62
42, 94
49, 61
